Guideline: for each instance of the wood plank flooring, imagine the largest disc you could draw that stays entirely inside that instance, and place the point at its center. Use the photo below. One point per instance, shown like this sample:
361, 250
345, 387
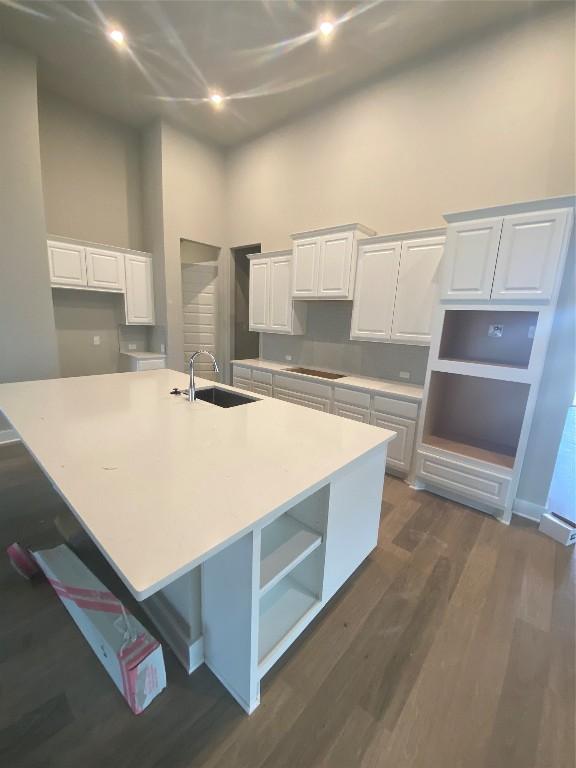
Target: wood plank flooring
453, 646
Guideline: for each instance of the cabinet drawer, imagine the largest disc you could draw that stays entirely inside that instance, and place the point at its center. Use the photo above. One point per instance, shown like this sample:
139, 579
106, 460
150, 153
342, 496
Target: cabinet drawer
241, 372
262, 377
238, 381
463, 479
262, 389
353, 412
150, 365
352, 397
396, 407
400, 449
308, 401
303, 386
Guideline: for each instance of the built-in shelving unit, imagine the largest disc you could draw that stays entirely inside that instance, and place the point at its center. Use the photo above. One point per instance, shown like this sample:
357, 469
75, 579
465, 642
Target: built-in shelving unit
285, 543
489, 336
292, 555
477, 417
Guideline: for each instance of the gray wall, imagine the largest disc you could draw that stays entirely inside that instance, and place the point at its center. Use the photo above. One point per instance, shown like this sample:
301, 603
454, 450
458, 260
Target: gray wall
91, 174
327, 344
27, 336
79, 316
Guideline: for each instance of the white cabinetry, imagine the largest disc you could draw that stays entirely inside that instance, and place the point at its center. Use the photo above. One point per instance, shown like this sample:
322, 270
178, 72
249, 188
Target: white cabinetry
67, 265
311, 394
325, 262
352, 404
507, 258
271, 309
397, 288
400, 417
139, 293
105, 269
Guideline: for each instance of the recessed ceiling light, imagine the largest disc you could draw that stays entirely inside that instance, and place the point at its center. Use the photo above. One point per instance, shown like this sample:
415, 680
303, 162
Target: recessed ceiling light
216, 99
326, 28
117, 36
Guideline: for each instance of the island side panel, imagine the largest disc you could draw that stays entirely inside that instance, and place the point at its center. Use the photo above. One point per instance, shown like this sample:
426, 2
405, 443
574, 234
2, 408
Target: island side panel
230, 592
353, 519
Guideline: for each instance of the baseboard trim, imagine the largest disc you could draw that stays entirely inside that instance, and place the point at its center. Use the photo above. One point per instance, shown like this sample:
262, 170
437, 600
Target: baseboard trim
528, 509
9, 436
174, 631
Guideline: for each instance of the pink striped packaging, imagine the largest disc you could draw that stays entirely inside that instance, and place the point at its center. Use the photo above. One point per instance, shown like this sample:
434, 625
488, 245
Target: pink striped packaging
131, 656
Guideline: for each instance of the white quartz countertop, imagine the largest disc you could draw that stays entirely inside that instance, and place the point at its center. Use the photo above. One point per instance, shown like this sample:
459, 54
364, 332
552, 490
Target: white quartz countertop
144, 355
160, 483
383, 386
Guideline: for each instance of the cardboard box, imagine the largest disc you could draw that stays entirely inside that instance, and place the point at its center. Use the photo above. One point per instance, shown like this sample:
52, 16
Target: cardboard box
131, 656
558, 529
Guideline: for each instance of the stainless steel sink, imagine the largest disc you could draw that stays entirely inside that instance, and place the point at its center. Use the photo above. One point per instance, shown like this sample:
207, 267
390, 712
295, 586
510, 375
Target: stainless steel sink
224, 398
313, 372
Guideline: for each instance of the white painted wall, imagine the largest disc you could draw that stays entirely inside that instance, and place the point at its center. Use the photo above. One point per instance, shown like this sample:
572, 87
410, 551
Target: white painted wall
27, 336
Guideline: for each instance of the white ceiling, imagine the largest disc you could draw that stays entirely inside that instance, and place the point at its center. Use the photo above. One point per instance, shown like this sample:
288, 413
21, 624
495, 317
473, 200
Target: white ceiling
264, 54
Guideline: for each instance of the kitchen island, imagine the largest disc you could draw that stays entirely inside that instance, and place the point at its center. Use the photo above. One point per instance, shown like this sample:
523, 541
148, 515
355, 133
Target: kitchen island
233, 526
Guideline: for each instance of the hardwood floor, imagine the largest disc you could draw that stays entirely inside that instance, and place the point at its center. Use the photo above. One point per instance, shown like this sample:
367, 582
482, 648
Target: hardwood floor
452, 647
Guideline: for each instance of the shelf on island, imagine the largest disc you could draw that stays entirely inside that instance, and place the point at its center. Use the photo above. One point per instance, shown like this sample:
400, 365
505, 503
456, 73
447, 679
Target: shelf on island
285, 543
284, 612
494, 454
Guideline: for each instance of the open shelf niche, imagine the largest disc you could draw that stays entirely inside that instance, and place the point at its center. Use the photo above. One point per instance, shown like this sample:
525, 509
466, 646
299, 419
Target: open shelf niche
291, 574
476, 417
472, 336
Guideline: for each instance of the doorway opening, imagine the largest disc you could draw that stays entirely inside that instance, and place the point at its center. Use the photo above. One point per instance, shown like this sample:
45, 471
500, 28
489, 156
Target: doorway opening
199, 264
244, 343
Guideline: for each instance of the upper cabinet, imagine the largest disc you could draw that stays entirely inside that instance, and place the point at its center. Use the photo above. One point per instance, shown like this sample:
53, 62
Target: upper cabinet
397, 288
325, 262
139, 297
512, 257
88, 267
271, 309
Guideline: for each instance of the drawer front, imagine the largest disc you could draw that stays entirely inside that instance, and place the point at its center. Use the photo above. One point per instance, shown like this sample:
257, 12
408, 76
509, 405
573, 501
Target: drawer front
308, 401
150, 365
352, 412
262, 389
464, 479
262, 377
241, 383
241, 372
395, 407
400, 449
352, 397
303, 386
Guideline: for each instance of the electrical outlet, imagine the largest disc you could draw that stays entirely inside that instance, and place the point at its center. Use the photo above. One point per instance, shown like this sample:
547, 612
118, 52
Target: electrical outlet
96, 341
288, 358
495, 331
404, 375
131, 347
162, 348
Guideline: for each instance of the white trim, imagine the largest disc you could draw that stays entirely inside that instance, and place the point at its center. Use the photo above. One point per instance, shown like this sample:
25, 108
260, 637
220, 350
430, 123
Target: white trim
175, 632
528, 509
9, 436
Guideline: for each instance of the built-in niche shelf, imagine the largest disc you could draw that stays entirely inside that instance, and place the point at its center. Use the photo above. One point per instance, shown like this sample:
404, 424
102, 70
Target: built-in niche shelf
292, 553
476, 417
285, 543
492, 337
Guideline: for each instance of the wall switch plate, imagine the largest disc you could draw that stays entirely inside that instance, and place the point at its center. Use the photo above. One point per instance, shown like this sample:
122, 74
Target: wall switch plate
288, 358
131, 347
96, 341
404, 375
495, 331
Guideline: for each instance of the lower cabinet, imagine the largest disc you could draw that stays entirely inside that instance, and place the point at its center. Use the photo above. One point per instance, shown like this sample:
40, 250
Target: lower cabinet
400, 416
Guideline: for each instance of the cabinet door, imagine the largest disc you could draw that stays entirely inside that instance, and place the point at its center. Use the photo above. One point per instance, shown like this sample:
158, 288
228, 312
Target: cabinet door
259, 298
353, 412
336, 253
306, 255
529, 255
470, 259
105, 269
400, 449
374, 291
139, 290
417, 290
281, 314
67, 264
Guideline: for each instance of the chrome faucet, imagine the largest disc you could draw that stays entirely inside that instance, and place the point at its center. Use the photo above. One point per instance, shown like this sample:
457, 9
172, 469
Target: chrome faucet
192, 386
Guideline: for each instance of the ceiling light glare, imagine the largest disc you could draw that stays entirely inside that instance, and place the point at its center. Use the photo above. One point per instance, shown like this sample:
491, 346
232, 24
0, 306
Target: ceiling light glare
117, 36
326, 28
217, 99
